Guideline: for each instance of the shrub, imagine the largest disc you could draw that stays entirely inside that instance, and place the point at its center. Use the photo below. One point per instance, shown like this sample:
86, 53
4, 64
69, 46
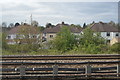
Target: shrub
115, 48
65, 40
23, 48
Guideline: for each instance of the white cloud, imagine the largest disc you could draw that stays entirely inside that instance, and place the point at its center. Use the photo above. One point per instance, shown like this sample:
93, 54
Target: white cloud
77, 13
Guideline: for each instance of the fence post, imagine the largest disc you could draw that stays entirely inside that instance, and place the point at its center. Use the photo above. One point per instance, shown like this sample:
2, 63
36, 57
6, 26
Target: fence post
55, 70
118, 70
22, 70
88, 70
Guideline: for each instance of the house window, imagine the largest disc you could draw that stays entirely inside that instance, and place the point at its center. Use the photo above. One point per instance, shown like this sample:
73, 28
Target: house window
117, 34
51, 36
108, 33
9, 37
34, 36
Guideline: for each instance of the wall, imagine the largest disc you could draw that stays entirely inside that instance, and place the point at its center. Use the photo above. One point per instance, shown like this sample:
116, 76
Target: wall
112, 35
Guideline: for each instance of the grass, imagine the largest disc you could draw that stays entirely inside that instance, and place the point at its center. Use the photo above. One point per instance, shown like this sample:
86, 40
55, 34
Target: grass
48, 52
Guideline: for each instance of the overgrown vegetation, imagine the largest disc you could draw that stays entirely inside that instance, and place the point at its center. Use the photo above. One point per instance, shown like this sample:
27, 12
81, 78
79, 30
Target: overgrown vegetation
91, 42
65, 40
64, 43
23, 48
4, 43
115, 48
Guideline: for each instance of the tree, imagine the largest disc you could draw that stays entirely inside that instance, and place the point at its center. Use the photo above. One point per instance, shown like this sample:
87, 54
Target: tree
78, 26
91, 42
48, 25
41, 28
17, 24
112, 23
34, 23
64, 40
28, 39
93, 22
91, 37
4, 24
28, 34
11, 25
84, 25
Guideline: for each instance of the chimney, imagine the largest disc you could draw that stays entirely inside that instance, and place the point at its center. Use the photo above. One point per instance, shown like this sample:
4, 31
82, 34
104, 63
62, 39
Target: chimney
63, 23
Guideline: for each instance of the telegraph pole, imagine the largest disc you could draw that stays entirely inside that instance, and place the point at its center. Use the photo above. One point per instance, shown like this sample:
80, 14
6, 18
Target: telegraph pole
31, 19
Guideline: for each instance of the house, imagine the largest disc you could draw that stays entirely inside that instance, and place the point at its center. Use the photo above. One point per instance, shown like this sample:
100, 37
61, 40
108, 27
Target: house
115, 40
21, 34
50, 33
106, 30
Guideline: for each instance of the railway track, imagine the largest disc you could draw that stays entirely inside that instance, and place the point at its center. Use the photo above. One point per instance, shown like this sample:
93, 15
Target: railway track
69, 67
59, 57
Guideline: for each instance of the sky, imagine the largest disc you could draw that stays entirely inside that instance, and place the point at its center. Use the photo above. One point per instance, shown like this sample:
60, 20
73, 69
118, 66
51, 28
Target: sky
77, 12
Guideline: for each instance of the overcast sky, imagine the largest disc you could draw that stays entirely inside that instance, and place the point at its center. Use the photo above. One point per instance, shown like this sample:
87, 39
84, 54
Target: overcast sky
56, 12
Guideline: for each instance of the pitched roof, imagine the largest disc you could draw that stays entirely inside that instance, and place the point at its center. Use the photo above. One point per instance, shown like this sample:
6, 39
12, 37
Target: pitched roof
58, 27
103, 27
21, 27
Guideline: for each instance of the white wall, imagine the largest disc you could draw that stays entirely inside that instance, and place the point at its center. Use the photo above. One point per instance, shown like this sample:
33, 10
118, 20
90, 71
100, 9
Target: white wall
112, 35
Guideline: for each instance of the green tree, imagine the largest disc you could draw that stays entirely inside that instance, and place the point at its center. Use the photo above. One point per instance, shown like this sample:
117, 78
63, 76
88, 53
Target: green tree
64, 40
84, 25
48, 25
91, 42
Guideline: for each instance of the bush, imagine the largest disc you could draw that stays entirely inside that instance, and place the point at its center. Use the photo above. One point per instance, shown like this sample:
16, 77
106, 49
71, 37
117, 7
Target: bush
65, 40
92, 49
23, 48
115, 48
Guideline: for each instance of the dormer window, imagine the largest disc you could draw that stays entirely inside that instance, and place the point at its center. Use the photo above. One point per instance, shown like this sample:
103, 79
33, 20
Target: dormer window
108, 33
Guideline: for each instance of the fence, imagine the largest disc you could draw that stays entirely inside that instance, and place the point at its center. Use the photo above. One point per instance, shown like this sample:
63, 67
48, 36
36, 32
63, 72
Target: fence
55, 70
